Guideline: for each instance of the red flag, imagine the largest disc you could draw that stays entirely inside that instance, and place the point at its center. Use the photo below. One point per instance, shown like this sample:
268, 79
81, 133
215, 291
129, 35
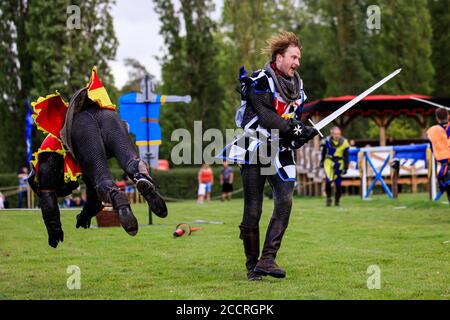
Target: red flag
97, 92
50, 113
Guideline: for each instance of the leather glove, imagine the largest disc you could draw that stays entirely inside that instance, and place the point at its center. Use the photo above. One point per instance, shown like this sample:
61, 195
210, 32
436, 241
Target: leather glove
83, 221
55, 235
299, 134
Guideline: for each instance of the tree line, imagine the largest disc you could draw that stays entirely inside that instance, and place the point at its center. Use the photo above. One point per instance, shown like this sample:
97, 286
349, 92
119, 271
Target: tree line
201, 56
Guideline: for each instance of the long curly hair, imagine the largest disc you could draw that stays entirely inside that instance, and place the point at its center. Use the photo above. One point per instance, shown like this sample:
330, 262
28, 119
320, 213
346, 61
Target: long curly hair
278, 43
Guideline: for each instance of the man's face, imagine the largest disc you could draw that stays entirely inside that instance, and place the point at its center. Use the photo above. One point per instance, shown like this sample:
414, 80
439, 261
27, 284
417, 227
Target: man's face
336, 134
288, 62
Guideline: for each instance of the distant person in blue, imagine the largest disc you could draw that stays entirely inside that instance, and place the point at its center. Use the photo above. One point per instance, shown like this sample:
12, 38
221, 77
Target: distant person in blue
23, 186
226, 180
334, 161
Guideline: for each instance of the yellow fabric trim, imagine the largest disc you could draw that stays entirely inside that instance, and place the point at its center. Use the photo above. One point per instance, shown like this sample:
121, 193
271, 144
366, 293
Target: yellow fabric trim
150, 143
69, 176
37, 112
99, 95
329, 168
93, 70
37, 153
287, 116
339, 149
163, 100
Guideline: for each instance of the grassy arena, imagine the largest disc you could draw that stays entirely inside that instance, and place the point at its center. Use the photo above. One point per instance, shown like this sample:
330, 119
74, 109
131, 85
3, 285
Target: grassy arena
326, 253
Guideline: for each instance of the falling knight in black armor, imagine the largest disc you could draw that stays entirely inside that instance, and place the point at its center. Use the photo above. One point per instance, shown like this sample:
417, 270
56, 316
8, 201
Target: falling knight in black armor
82, 136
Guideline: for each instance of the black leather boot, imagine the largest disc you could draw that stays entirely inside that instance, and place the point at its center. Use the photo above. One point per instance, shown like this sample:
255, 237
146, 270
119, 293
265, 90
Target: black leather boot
328, 192
90, 209
127, 220
267, 265
337, 196
250, 237
51, 216
147, 188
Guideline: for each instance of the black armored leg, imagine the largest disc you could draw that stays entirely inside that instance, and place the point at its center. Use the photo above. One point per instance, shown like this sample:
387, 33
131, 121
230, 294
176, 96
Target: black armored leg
91, 154
283, 191
92, 206
50, 178
117, 142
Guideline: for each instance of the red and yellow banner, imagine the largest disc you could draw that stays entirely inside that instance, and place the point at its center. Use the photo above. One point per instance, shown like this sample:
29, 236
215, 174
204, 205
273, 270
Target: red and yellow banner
72, 169
97, 92
49, 113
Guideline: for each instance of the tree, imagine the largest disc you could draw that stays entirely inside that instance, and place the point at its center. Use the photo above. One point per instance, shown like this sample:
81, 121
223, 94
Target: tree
15, 82
441, 45
39, 54
63, 57
189, 66
136, 74
301, 18
244, 27
404, 41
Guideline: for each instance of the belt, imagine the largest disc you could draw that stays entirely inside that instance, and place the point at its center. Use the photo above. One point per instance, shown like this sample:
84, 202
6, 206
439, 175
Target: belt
334, 158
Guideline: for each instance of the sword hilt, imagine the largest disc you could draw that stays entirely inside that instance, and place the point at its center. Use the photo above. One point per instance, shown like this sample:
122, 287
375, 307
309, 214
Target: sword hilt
314, 126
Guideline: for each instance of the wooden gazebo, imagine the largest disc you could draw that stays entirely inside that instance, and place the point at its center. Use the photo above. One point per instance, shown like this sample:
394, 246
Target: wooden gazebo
381, 108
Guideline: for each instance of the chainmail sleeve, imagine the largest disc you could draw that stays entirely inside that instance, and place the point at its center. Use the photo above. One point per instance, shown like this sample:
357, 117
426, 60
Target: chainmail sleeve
262, 103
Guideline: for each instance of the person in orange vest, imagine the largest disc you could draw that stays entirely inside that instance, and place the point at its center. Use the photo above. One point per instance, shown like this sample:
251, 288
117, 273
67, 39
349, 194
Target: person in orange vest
439, 136
205, 181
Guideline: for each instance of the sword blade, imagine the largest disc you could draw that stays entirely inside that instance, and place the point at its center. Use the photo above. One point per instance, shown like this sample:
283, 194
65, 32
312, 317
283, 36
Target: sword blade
431, 103
327, 120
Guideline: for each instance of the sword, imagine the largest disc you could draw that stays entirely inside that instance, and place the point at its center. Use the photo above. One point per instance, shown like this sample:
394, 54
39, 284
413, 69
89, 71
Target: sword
327, 120
429, 102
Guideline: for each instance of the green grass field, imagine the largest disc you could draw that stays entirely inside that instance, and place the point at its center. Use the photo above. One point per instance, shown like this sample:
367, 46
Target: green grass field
326, 253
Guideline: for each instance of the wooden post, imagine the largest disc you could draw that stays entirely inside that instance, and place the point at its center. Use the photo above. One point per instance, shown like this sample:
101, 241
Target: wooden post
383, 123
395, 170
413, 180
382, 135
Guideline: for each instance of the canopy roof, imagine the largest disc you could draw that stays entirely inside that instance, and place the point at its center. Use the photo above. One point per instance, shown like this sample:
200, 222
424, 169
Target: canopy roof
377, 105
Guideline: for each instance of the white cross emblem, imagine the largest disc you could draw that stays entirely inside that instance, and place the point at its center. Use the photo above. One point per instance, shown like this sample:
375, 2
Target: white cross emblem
298, 130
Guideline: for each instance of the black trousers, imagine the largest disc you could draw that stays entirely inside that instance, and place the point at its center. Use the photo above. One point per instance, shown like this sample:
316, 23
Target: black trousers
337, 187
99, 134
253, 183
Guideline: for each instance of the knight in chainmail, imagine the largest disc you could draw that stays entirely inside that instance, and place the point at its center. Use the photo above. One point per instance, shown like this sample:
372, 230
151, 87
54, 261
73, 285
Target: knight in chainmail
91, 135
272, 106
334, 161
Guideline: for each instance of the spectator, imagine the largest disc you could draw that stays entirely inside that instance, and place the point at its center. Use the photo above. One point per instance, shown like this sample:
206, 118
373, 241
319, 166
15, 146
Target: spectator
205, 182
70, 202
2, 201
23, 186
226, 180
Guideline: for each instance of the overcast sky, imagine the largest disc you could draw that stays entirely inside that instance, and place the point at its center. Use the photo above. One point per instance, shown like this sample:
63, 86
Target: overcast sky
137, 29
